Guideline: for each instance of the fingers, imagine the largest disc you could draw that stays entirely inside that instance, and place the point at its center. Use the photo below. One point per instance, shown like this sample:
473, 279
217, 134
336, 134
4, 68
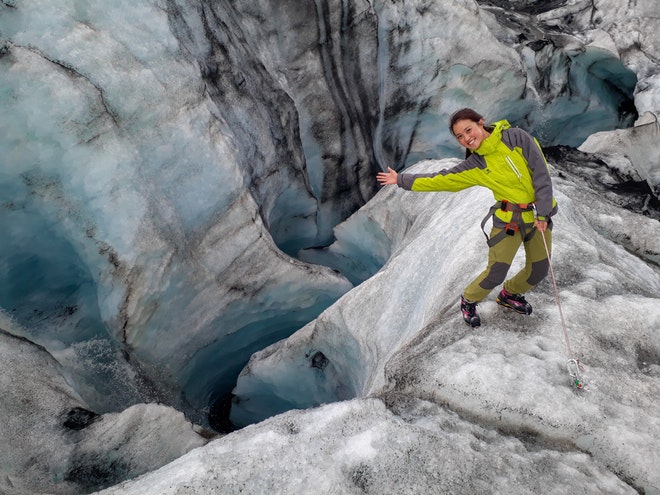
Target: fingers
386, 178
541, 226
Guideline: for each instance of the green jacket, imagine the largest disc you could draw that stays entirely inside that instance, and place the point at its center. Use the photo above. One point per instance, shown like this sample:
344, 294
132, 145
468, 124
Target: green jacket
509, 162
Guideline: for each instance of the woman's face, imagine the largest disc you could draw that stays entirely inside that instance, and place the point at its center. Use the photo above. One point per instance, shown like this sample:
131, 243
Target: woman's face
469, 133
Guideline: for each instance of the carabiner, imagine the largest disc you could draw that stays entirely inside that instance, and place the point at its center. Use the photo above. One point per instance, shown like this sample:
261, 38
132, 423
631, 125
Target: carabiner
574, 368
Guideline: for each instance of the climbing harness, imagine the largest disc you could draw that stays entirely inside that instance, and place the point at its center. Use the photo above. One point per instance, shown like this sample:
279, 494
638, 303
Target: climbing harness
515, 224
574, 366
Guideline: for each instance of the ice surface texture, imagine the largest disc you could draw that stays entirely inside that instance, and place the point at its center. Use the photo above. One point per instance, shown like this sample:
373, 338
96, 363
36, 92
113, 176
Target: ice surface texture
163, 164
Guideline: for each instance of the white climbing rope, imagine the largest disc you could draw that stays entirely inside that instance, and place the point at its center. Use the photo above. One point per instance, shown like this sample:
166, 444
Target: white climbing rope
574, 366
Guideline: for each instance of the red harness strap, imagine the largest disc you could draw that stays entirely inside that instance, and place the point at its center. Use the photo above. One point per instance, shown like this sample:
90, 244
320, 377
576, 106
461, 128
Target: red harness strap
513, 226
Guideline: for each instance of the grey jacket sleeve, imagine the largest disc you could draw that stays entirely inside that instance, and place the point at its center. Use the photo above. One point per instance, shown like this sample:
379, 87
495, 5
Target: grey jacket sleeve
538, 166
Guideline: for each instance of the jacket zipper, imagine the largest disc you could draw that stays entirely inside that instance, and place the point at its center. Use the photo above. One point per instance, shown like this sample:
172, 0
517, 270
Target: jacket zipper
513, 167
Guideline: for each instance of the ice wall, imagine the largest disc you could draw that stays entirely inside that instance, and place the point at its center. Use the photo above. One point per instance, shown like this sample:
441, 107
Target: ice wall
132, 224
165, 161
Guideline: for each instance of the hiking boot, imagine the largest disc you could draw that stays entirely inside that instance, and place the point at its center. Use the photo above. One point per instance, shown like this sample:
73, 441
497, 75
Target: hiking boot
515, 302
469, 311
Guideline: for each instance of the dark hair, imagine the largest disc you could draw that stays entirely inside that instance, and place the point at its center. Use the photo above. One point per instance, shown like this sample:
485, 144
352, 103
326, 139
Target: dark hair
463, 114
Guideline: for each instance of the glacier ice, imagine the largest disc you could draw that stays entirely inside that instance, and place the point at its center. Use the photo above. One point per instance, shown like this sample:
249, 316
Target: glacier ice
632, 152
397, 344
175, 173
53, 443
125, 207
400, 445
267, 141
425, 231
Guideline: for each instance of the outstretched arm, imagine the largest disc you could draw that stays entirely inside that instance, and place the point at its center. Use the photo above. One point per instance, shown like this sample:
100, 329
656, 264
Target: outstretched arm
387, 178
454, 179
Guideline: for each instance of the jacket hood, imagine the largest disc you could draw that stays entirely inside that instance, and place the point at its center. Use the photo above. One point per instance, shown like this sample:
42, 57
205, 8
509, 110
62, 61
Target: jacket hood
492, 142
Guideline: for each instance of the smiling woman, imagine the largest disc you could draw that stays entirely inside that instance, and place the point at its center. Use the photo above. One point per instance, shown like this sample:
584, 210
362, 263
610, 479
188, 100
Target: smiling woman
467, 126
510, 163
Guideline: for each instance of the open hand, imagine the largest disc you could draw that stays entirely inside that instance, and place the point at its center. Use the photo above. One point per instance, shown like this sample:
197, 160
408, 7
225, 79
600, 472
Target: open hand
387, 178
